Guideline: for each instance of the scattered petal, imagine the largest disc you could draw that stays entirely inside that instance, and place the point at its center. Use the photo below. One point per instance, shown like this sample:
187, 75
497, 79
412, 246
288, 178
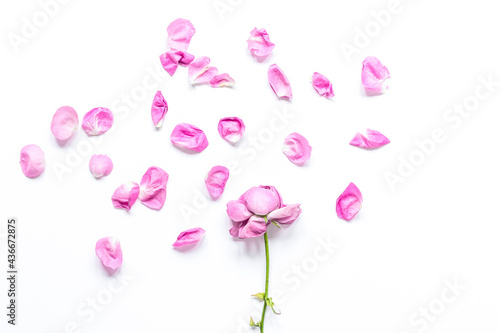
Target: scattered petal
255, 227
159, 109
199, 71
100, 166
279, 82
109, 251
97, 121
349, 202
64, 123
216, 181
373, 139
322, 85
222, 80
259, 43
189, 137
297, 148
237, 211
125, 196
261, 201
190, 236
180, 32
32, 161
286, 215
374, 76
171, 59
231, 129
154, 188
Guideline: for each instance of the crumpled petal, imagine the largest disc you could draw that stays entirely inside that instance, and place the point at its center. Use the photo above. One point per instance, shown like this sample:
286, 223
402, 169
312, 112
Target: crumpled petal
286, 215
297, 148
261, 201
222, 80
255, 227
154, 188
373, 139
259, 43
97, 121
180, 32
237, 211
64, 123
125, 196
190, 236
189, 137
199, 71
109, 251
32, 161
279, 82
100, 166
374, 76
216, 181
159, 109
171, 59
231, 129
322, 85
349, 202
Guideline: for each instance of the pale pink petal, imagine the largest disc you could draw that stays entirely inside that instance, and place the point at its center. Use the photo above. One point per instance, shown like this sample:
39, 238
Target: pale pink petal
222, 80
275, 191
109, 251
171, 59
190, 236
64, 123
231, 129
235, 230
189, 137
297, 148
100, 166
154, 188
97, 121
373, 139
322, 85
259, 43
349, 202
374, 76
237, 211
279, 82
159, 109
216, 181
32, 161
125, 196
199, 71
254, 227
285, 215
261, 201
180, 32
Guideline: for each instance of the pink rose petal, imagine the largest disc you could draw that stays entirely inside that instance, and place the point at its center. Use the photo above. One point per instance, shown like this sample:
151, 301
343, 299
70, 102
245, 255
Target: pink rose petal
374, 76
190, 236
237, 211
32, 161
100, 166
189, 137
231, 129
286, 215
199, 71
349, 202
154, 188
125, 196
222, 80
97, 121
109, 251
159, 109
297, 148
261, 201
180, 32
279, 82
373, 139
259, 43
64, 123
216, 181
171, 59
322, 85
255, 227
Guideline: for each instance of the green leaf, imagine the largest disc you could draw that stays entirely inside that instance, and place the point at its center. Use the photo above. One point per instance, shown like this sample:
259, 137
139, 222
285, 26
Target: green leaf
259, 296
254, 324
270, 303
276, 224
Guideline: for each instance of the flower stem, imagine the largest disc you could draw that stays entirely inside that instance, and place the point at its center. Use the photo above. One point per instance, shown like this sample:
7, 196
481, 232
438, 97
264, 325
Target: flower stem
266, 241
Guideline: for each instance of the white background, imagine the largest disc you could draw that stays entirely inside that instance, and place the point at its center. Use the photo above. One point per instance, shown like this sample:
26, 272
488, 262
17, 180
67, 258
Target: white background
393, 259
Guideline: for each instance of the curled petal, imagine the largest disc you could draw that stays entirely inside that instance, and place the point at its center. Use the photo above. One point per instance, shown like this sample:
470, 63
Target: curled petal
322, 85
297, 148
275, 191
349, 202
216, 181
285, 215
180, 32
32, 161
279, 82
64, 123
190, 236
254, 227
189, 137
109, 251
154, 188
222, 80
231, 129
159, 109
373, 139
237, 211
100, 166
261, 201
374, 76
199, 71
171, 59
259, 43
97, 121
235, 230
125, 196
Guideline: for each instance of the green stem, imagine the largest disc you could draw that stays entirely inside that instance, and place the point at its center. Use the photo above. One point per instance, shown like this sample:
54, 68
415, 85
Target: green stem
266, 241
